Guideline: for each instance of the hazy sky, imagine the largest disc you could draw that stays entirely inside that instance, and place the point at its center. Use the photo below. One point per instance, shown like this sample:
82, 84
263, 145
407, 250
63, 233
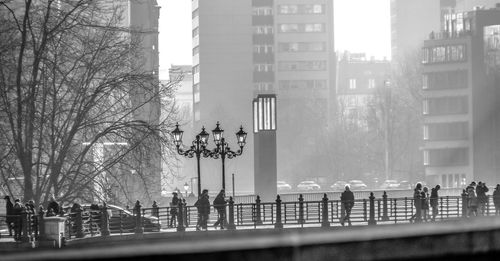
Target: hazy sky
360, 26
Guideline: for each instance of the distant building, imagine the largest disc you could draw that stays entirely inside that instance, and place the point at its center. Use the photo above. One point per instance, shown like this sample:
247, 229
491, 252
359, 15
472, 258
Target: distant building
244, 48
461, 128
361, 83
469, 5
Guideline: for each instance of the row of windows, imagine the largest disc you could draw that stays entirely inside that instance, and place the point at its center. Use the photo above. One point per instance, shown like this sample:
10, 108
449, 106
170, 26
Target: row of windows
263, 48
446, 157
446, 131
196, 92
445, 80
262, 10
449, 53
263, 29
353, 84
263, 86
263, 67
302, 47
301, 28
302, 84
301, 9
302, 66
445, 105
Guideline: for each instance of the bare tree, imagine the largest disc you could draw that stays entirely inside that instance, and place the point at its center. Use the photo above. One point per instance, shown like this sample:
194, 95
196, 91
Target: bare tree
79, 114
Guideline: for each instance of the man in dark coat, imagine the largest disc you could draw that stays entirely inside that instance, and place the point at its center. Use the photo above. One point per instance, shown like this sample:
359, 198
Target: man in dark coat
9, 211
173, 208
18, 210
203, 206
347, 199
53, 207
496, 199
417, 217
220, 206
434, 200
482, 198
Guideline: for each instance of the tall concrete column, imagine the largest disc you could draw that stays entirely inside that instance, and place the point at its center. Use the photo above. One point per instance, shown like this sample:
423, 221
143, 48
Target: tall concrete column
265, 158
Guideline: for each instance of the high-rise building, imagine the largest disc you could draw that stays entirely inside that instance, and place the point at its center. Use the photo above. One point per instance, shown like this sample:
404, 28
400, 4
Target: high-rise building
249, 47
461, 76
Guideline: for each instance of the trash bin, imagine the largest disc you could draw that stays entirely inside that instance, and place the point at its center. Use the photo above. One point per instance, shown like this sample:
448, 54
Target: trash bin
54, 229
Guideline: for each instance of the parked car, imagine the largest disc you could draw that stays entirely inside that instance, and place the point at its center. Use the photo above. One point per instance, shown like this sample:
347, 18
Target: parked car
283, 186
308, 185
339, 185
357, 185
390, 184
404, 185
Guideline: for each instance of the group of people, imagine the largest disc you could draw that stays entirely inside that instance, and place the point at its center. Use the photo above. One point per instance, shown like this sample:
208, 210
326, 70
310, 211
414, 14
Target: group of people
424, 202
15, 209
477, 200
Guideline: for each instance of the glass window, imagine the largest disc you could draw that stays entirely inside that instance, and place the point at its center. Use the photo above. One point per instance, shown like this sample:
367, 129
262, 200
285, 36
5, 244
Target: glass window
371, 83
352, 84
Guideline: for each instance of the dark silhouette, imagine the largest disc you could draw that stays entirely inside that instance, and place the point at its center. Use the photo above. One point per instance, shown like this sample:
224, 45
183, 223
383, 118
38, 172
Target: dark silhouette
482, 198
417, 217
496, 199
155, 212
424, 197
9, 211
52, 207
173, 209
435, 201
18, 210
203, 206
472, 201
347, 199
220, 206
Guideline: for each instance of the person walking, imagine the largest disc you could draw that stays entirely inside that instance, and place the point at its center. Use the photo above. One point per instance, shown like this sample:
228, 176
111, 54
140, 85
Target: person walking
203, 206
424, 197
472, 201
482, 198
9, 211
434, 200
417, 217
496, 199
174, 205
347, 199
220, 206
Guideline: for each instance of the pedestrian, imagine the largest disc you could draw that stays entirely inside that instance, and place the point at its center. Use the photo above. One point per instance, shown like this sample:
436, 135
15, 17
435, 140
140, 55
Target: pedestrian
155, 212
174, 205
482, 198
434, 200
220, 206
9, 211
347, 199
17, 212
203, 206
417, 217
424, 197
496, 199
53, 207
472, 201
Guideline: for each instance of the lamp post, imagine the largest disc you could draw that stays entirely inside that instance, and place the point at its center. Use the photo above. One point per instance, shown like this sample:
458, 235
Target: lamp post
222, 148
186, 187
198, 148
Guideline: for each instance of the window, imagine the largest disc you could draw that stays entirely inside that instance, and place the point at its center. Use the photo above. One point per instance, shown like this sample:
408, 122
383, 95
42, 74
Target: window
263, 86
196, 31
426, 158
263, 67
302, 47
371, 83
449, 53
263, 29
426, 132
301, 9
301, 28
352, 84
302, 66
263, 48
425, 107
195, 13
262, 11
302, 84
448, 105
196, 69
425, 80
196, 50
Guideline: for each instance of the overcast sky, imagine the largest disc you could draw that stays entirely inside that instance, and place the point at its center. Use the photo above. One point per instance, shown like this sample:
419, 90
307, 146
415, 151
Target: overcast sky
360, 26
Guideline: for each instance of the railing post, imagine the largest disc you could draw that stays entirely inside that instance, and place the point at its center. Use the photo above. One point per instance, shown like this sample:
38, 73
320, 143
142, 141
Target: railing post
41, 224
180, 217
104, 220
301, 209
372, 220
365, 210
138, 219
79, 223
231, 225
464, 204
324, 216
258, 219
278, 223
385, 217
186, 224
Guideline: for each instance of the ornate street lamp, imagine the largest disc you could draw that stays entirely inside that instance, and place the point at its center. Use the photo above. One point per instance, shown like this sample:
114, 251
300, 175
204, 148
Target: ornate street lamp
223, 149
198, 148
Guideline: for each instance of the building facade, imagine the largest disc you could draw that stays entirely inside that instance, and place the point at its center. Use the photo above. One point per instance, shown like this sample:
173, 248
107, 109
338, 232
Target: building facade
250, 47
460, 86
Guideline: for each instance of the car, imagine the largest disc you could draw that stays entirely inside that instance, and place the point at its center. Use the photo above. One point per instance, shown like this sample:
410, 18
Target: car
283, 186
339, 185
390, 184
120, 220
357, 185
308, 185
